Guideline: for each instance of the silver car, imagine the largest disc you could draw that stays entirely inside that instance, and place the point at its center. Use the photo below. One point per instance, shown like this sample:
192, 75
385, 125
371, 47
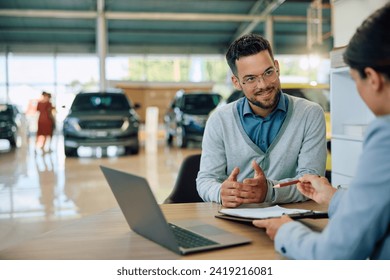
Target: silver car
101, 119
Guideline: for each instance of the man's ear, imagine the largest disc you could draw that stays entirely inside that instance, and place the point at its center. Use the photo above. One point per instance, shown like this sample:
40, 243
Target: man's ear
277, 66
374, 78
236, 83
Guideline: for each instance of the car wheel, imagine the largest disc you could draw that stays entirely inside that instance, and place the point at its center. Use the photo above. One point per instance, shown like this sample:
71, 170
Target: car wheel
12, 142
169, 139
132, 150
70, 152
181, 139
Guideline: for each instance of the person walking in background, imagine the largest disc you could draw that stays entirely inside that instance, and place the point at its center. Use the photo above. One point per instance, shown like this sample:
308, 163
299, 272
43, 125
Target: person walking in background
359, 224
45, 122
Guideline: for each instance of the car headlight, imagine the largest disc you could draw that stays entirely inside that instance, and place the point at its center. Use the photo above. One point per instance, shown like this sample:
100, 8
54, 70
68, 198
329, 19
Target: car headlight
199, 120
72, 124
188, 119
125, 124
131, 122
3, 124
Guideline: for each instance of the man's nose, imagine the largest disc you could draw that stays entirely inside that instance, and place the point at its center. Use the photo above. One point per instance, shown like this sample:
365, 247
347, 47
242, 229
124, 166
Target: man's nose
261, 81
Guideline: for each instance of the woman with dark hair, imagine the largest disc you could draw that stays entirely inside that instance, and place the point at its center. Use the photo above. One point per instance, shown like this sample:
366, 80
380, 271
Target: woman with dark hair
359, 225
45, 122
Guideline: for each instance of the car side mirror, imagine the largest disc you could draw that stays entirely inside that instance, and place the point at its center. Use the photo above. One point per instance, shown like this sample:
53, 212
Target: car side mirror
137, 106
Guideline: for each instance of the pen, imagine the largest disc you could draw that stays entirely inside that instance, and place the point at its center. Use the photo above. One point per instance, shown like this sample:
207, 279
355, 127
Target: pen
285, 184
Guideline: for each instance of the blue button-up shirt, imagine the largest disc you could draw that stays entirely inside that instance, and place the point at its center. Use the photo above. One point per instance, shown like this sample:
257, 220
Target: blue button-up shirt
262, 131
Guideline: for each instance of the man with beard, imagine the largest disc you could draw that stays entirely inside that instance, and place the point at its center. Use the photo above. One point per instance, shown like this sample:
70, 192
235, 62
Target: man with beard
262, 139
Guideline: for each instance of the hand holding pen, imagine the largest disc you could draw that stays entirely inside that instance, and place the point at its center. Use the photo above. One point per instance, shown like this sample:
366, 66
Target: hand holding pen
317, 188
285, 184
312, 186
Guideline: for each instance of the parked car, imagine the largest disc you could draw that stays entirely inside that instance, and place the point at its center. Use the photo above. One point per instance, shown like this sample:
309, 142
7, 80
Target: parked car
235, 95
11, 121
101, 119
186, 118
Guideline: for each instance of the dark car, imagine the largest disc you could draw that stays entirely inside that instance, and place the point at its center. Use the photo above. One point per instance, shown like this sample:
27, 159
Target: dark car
237, 94
186, 118
101, 119
10, 123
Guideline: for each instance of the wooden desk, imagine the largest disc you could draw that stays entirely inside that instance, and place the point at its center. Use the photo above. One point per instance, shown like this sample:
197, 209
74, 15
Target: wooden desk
107, 236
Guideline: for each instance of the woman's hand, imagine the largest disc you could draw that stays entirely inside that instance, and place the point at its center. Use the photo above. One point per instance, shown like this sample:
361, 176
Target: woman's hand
272, 225
317, 188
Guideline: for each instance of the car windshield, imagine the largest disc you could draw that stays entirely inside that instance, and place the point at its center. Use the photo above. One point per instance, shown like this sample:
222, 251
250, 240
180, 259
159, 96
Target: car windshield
202, 103
111, 102
5, 111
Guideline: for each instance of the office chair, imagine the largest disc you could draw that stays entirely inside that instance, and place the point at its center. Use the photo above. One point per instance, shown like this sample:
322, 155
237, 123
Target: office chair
328, 173
184, 190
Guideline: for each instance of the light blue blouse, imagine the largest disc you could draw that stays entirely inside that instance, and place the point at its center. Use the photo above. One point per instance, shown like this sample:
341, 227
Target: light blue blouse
359, 225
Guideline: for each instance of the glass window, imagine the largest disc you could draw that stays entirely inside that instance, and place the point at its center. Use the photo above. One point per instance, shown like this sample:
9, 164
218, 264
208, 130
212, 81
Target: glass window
77, 70
3, 94
117, 68
30, 69
2, 69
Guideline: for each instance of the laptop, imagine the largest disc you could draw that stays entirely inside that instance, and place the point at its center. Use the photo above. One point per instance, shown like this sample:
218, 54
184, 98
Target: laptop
144, 216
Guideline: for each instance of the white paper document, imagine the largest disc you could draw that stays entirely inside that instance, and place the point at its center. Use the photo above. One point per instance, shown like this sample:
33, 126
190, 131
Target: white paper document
261, 213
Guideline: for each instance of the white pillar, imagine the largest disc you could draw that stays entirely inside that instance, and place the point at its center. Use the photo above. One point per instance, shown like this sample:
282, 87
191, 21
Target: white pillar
269, 30
151, 129
101, 43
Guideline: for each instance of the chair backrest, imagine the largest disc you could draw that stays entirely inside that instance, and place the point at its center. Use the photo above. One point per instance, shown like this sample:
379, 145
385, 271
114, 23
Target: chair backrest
185, 190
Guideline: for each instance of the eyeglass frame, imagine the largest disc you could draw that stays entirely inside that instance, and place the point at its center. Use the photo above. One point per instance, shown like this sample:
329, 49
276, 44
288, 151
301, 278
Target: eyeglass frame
261, 76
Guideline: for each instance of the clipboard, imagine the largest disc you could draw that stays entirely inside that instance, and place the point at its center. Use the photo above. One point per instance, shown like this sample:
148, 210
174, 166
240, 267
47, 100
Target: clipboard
294, 216
248, 213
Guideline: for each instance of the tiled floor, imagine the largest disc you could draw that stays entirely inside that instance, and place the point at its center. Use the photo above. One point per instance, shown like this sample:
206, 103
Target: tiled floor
40, 192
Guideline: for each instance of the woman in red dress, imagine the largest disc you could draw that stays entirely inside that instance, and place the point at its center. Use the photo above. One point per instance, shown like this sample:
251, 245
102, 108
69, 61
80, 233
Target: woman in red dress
45, 121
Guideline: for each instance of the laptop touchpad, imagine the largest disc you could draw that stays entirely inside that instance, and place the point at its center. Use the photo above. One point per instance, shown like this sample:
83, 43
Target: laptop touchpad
206, 230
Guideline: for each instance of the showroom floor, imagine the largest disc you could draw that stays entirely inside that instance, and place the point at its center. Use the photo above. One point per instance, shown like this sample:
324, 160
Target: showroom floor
40, 192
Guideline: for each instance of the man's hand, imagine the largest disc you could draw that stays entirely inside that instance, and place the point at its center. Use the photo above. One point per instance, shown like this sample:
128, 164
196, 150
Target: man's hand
254, 190
251, 190
272, 225
229, 190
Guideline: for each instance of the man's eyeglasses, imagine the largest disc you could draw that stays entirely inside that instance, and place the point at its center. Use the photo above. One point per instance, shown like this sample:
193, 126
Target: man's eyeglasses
269, 76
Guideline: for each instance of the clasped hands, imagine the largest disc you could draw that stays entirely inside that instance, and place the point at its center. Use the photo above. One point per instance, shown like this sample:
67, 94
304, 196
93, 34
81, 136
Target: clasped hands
251, 190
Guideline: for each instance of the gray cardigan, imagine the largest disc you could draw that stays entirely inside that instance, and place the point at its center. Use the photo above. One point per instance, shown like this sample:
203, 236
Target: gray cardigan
299, 148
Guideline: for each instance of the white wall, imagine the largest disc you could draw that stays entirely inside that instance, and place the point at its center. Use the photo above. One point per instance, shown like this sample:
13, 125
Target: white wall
348, 15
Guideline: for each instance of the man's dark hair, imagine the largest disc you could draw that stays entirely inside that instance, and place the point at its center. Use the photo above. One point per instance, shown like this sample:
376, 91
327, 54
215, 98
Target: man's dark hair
370, 45
246, 45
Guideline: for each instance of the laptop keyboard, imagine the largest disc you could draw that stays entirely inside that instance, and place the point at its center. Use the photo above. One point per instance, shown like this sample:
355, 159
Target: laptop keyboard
188, 239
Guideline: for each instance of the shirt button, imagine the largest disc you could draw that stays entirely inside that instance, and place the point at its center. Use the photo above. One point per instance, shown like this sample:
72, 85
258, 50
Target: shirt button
283, 250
